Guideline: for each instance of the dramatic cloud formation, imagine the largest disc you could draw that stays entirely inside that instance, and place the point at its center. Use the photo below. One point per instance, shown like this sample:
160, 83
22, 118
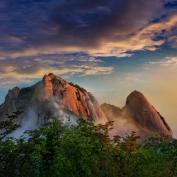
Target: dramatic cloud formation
97, 27
25, 69
65, 37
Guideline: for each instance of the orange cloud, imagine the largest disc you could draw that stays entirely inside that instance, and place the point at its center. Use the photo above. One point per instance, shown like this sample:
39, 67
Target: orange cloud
114, 46
21, 70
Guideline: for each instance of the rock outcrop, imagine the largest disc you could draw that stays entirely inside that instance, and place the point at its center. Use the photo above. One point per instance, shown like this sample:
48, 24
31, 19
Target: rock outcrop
145, 115
137, 115
8, 107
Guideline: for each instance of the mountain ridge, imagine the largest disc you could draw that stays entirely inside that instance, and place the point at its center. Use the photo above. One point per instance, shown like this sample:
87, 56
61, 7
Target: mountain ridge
144, 117
53, 97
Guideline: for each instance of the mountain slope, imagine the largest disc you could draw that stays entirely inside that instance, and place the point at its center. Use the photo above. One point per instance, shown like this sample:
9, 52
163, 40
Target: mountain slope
52, 97
145, 114
137, 115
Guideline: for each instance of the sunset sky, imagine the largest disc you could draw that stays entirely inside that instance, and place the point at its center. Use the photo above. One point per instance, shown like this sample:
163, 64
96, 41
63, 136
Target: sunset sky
110, 47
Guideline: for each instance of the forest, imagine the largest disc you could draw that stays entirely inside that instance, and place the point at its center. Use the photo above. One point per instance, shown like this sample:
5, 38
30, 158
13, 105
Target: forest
86, 150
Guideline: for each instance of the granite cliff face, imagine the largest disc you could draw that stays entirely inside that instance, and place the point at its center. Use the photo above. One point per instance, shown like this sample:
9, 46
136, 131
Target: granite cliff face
137, 115
71, 98
145, 114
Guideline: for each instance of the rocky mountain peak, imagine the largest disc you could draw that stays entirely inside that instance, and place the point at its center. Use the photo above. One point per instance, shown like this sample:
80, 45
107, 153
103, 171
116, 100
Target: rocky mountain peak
71, 97
52, 97
137, 115
13, 93
145, 115
135, 96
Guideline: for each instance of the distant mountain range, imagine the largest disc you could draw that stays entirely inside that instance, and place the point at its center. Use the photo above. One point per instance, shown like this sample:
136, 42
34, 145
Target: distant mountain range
53, 97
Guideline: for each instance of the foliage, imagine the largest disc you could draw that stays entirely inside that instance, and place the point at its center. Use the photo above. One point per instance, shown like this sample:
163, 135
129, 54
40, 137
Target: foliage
86, 151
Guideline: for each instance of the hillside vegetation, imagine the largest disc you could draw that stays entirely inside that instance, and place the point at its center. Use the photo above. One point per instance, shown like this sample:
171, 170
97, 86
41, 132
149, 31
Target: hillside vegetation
86, 151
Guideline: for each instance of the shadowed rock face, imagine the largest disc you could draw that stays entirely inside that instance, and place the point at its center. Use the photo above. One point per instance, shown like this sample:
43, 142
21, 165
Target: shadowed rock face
111, 111
137, 115
52, 97
145, 115
9, 106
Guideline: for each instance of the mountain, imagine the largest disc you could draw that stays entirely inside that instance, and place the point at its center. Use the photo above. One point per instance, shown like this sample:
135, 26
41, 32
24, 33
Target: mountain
111, 111
53, 97
137, 115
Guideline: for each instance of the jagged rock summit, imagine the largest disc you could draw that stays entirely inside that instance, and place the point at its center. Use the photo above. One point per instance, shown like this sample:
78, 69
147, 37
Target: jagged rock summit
137, 115
71, 98
52, 97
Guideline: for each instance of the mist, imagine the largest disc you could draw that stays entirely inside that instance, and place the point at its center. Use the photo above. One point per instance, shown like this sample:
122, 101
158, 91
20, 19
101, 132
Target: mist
38, 114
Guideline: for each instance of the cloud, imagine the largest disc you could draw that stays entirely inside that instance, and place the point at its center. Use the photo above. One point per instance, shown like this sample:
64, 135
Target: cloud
173, 41
96, 27
170, 62
22, 70
150, 37
40, 36
144, 39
